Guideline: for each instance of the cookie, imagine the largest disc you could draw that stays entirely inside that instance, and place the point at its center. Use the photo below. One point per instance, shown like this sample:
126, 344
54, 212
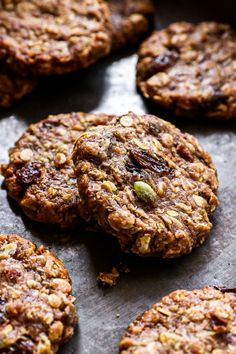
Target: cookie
54, 37
37, 312
198, 321
148, 184
13, 87
130, 21
40, 173
190, 69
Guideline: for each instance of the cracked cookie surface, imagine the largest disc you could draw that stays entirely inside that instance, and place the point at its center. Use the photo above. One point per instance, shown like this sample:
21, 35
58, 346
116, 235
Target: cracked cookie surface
130, 21
198, 321
190, 69
40, 174
37, 311
148, 184
54, 37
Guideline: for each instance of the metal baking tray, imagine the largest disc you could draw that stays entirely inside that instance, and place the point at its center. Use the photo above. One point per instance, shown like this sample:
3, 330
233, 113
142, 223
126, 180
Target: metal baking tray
109, 86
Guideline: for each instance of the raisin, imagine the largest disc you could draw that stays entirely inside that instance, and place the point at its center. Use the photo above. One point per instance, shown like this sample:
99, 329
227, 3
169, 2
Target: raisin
12, 274
155, 164
29, 174
219, 324
160, 63
50, 124
225, 290
131, 167
25, 346
227, 338
93, 159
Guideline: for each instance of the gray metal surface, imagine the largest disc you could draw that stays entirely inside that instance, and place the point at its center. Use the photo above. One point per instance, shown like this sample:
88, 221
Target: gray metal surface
109, 87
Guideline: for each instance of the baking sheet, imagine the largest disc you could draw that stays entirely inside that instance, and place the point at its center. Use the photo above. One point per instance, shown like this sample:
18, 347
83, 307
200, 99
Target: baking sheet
109, 87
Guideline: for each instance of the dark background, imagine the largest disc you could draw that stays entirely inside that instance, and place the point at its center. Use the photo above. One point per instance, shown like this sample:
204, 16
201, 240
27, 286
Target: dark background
109, 87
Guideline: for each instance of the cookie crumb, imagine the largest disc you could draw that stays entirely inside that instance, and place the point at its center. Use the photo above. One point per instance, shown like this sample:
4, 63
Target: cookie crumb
111, 279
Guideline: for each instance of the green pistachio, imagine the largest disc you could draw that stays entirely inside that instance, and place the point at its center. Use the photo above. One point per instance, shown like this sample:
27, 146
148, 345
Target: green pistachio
144, 192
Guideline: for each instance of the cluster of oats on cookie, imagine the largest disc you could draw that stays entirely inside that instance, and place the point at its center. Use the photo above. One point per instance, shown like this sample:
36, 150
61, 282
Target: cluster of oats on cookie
190, 69
41, 38
135, 176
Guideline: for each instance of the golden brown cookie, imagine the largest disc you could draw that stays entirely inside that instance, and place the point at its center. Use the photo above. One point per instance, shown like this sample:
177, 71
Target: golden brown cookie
148, 184
40, 173
37, 312
190, 69
198, 321
53, 37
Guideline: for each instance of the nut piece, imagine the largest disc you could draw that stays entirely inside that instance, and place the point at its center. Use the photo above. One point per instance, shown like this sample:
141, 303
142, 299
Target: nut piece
201, 202
26, 155
126, 121
144, 192
7, 250
60, 159
160, 79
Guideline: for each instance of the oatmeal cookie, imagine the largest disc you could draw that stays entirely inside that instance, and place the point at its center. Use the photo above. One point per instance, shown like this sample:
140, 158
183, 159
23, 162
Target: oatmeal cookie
53, 37
148, 184
198, 321
13, 87
191, 69
37, 312
40, 173
130, 21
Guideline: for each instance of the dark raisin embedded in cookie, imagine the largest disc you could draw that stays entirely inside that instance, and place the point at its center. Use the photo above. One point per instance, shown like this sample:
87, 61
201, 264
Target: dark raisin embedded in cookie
190, 69
37, 311
148, 184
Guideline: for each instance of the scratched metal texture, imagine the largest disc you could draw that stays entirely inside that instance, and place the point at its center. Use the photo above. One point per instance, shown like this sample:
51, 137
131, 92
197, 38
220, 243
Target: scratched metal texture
109, 87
